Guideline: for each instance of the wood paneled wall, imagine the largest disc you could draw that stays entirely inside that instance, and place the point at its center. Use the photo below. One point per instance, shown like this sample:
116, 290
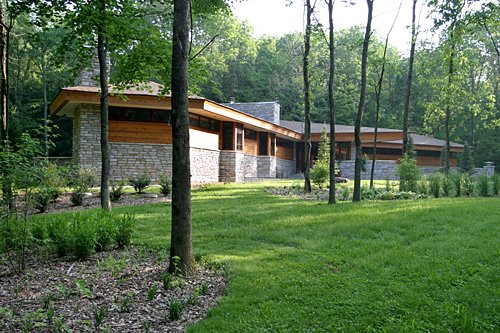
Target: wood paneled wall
143, 132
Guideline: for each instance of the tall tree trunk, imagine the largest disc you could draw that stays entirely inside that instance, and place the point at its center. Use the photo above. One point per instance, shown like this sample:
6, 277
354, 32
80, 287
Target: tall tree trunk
361, 106
4, 101
448, 102
307, 98
181, 249
409, 79
378, 92
45, 107
102, 53
331, 104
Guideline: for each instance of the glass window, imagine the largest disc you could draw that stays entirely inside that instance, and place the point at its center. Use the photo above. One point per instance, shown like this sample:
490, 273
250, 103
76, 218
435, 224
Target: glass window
263, 143
273, 144
227, 136
239, 136
250, 135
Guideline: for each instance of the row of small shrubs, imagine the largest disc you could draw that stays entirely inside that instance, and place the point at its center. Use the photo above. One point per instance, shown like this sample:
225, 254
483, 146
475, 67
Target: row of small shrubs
84, 234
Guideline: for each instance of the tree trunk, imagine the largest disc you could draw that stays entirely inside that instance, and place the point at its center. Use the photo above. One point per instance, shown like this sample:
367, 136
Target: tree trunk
448, 103
307, 99
409, 80
361, 106
331, 105
4, 102
181, 250
45, 107
102, 53
378, 92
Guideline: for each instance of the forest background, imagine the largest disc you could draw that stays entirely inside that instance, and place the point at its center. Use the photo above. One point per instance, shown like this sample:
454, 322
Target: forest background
228, 61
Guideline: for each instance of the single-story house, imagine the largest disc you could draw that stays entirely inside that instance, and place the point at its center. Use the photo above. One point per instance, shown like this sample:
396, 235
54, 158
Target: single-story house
230, 142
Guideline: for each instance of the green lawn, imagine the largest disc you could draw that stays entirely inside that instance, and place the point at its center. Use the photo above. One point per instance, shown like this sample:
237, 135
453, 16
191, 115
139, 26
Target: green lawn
295, 266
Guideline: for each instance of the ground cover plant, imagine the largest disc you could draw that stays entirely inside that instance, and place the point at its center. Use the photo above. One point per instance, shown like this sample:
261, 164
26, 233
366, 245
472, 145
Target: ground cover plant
296, 266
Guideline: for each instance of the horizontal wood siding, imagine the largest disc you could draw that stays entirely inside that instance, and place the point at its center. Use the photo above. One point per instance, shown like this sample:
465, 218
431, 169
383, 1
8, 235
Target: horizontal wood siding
140, 132
284, 153
421, 160
250, 147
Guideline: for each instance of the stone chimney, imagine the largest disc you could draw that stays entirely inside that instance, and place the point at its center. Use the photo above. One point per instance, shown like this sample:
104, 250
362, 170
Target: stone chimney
89, 76
268, 111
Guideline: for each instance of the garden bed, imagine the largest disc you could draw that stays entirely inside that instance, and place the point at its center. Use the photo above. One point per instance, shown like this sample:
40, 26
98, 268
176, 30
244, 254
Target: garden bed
125, 291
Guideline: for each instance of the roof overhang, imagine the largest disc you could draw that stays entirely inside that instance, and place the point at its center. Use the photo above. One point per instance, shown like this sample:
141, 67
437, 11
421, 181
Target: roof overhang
68, 99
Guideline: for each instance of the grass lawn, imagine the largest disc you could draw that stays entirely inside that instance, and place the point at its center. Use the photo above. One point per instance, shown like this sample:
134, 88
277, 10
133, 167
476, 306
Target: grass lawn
294, 266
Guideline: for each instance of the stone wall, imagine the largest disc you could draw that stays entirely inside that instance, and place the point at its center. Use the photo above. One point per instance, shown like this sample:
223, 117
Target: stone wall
269, 111
131, 160
231, 166
204, 165
488, 169
87, 136
383, 170
250, 165
284, 168
266, 167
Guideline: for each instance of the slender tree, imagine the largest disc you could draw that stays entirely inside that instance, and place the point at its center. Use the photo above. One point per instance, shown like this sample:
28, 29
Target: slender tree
361, 106
102, 54
378, 93
409, 78
331, 102
181, 251
307, 98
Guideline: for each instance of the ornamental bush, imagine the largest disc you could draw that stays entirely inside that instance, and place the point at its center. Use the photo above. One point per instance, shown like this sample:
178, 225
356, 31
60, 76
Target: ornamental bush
409, 174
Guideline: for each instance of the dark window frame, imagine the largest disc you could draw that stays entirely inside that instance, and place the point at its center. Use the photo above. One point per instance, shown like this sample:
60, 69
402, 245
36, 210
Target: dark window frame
225, 145
263, 149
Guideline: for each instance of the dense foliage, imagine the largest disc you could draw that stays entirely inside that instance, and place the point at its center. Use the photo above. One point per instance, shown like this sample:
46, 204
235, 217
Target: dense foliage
227, 61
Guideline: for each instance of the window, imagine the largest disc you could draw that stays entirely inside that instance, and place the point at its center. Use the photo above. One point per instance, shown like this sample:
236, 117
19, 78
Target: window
204, 123
250, 135
227, 136
284, 143
239, 137
383, 151
273, 144
263, 143
137, 114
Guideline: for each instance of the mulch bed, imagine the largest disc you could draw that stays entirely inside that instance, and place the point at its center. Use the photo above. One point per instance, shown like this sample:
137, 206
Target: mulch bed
57, 295
92, 200
62, 295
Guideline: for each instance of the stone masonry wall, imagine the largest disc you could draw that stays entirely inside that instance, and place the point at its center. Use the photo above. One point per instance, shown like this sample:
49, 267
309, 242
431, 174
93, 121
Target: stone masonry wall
383, 170
231, 166
134, 159
250, 165
284, 168
266, 167
204, 165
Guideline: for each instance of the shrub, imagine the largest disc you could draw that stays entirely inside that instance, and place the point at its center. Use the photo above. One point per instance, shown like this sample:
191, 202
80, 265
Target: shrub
387, 196
124, 229
408, 173
345, 193
457, 180
483, 185
44, 197
423, 186
76, 197
496, 183
85, 178
448, 186
84, 239
38, 231
105, 231
59, 235
165, 185
116, 191
436, 184
468, 185
140, 183
369, 193
320, 173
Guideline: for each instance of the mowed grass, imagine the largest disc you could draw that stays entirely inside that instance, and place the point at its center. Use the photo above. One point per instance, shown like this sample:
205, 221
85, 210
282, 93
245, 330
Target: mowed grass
295, 266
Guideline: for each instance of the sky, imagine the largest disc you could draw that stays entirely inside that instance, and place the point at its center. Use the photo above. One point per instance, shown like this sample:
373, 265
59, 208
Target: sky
274, 17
